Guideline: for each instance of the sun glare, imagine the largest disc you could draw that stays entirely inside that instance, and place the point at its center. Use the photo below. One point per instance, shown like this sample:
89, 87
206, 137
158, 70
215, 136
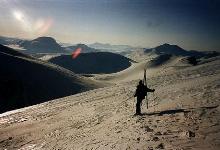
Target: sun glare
18, 15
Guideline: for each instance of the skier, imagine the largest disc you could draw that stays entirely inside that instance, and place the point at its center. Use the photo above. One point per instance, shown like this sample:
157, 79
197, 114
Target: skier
140, 93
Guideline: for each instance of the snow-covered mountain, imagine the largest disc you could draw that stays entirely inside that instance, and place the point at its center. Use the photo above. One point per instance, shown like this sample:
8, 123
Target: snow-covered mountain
178, 51
183, 113
111, 48
10, 40
42, 45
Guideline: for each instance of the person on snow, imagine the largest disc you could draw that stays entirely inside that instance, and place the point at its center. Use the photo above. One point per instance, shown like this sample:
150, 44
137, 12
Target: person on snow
140, 93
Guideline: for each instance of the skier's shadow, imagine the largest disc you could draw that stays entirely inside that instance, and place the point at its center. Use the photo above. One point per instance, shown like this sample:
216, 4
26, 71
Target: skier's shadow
174, 111
166, 112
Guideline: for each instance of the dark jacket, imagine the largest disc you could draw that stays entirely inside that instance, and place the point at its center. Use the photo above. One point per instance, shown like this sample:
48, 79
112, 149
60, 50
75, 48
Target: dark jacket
141, 91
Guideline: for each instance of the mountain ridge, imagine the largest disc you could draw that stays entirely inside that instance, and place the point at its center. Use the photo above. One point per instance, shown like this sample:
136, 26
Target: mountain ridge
178, 51
42, 45
84, 48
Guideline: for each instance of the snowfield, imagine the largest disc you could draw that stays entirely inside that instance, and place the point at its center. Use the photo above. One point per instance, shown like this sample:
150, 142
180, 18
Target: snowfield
184, 113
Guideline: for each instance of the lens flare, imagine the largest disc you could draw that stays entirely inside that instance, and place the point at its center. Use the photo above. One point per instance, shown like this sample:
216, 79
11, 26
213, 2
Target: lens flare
37, 27
45, 26
76, 53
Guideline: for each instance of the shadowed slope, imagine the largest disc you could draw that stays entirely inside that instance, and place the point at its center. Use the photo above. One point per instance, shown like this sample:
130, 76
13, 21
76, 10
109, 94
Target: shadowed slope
26, 81
93, 63
159, 60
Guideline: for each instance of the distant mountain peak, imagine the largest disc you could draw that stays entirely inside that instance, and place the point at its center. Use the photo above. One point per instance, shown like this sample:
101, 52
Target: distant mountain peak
170, 49
166, 44
45, 39
169, 46
84, 47
178, 51
42, 45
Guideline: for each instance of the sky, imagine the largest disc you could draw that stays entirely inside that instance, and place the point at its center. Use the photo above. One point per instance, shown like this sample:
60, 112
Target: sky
191, 24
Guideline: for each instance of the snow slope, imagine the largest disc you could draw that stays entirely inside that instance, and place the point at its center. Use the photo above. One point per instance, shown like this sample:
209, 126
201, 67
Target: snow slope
184, 113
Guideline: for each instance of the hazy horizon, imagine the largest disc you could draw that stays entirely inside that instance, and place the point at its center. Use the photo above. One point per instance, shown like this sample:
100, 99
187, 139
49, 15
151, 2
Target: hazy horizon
193, 25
